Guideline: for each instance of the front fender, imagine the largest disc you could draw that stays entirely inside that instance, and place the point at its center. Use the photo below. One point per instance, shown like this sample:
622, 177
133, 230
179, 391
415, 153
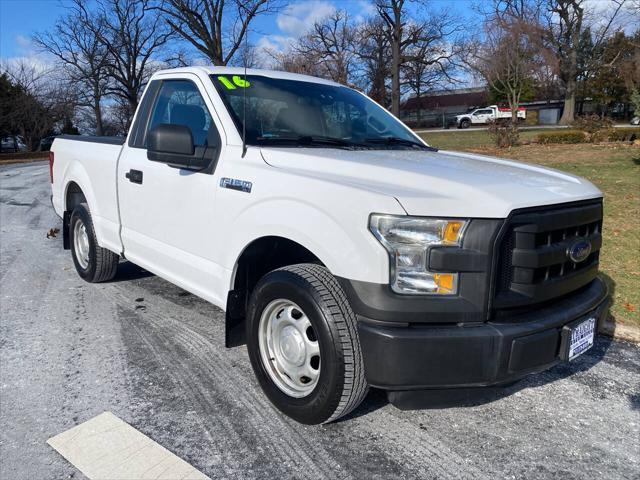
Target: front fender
346, 248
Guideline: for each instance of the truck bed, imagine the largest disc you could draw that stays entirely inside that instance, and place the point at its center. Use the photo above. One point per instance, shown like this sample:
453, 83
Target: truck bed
90, 161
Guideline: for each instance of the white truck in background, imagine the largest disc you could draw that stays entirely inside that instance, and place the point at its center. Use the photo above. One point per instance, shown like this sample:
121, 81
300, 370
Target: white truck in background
492, 113
345, 251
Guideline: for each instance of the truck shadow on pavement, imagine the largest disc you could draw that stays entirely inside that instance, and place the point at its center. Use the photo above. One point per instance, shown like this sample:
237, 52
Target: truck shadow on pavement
130, 271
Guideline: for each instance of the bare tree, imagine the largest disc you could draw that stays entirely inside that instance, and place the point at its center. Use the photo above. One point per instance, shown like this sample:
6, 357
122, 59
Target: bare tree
133, 34
574, 30
247, 56
216, 28
117, 118
405, 36
431, 62
630, 68
393, 14
507, 60
36, 105
332, 42
292, 61
567, 21
374, 52
83, 57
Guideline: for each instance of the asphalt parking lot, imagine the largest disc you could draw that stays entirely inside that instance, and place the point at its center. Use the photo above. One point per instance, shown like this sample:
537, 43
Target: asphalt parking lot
153, 355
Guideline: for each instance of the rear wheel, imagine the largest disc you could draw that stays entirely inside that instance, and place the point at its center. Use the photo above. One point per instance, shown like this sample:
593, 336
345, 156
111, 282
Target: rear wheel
303, 344
93, 263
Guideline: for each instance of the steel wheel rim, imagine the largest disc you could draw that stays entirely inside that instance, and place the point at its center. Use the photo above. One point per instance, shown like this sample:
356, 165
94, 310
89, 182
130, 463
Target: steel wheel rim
289, 348
81, 244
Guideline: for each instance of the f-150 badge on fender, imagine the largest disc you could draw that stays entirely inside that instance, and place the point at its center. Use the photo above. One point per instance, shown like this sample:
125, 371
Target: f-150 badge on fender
235, 184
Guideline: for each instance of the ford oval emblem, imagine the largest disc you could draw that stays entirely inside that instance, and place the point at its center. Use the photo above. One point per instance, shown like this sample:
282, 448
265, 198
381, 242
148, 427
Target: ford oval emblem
579, 250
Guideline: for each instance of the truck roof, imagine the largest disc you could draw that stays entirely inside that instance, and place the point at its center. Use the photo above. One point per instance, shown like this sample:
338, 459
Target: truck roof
213, 70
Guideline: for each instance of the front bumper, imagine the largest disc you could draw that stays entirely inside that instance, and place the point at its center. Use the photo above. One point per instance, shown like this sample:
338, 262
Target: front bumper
423, 356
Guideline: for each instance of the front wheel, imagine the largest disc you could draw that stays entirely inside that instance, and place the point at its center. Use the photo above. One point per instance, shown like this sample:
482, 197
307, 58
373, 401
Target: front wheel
303, 344
465, 123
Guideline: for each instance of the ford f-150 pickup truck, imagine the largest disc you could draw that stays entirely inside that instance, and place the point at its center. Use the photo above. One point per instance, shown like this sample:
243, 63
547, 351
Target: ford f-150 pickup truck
492, 113
346, 252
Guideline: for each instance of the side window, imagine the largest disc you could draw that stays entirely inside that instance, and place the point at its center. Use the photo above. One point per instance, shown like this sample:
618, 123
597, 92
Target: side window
180, 103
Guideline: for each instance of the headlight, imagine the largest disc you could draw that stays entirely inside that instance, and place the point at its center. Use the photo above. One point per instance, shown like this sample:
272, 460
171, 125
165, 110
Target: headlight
408, 240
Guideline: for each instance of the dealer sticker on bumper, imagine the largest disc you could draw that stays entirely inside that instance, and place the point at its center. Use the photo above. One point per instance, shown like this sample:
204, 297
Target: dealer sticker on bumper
582, 336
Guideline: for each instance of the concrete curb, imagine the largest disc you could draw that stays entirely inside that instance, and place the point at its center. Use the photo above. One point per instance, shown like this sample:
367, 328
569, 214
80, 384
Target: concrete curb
620, 332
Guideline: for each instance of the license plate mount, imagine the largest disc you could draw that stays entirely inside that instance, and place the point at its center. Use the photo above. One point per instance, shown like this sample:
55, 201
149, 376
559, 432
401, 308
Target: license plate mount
578, 337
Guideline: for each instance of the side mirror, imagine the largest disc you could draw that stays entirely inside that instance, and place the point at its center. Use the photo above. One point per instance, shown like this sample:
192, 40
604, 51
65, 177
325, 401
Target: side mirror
173, 145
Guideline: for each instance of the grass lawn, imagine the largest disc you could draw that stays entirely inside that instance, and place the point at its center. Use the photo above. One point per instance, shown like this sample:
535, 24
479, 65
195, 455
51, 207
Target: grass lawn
455, 139
613, 169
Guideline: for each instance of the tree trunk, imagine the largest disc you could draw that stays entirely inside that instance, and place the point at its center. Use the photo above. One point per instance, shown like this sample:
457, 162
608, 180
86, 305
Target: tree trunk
97, 111
395, 79
568, 114
395, 54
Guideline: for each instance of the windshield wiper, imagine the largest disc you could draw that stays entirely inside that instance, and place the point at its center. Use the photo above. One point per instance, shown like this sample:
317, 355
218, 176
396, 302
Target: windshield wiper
309, 140
399, 141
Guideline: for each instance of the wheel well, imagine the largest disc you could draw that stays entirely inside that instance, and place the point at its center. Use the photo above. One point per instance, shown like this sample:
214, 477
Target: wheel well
259, 258
74, 196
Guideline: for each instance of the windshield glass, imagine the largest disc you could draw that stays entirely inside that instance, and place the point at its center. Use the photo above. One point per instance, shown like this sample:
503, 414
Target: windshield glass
296, 113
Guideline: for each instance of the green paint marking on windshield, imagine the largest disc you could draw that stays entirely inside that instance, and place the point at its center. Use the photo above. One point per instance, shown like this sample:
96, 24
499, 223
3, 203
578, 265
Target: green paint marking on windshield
241, 82
225, 81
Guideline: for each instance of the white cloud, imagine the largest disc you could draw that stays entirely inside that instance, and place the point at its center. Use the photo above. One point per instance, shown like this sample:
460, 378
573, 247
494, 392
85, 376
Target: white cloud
293, 22
276, 43
366, 8
35, 64
23, 42
24, 47
297, 18
269, 45
598, 13
27, 58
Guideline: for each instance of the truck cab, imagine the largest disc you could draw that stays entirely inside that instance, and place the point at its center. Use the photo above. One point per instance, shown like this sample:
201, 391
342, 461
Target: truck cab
346, 252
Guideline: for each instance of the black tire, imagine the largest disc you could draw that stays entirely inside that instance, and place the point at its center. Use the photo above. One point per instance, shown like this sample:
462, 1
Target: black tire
341, 385
464, 123
102, 263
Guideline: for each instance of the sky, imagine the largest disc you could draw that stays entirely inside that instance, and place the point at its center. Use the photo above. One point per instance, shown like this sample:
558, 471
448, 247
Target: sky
20, 19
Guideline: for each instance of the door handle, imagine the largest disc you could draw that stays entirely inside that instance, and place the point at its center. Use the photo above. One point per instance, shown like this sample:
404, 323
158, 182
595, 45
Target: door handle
134, 176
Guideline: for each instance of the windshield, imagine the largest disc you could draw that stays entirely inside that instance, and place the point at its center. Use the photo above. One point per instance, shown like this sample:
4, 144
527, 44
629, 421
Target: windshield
296, 113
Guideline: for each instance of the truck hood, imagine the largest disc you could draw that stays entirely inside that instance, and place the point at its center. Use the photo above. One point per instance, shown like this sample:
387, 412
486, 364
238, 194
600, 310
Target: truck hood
443, 183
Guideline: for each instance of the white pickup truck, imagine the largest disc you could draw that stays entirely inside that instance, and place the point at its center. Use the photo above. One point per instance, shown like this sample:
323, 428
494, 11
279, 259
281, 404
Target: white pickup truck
345, 251
492, 113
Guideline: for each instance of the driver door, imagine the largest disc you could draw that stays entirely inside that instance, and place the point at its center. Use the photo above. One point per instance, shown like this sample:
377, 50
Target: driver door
167, 213
481, 116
